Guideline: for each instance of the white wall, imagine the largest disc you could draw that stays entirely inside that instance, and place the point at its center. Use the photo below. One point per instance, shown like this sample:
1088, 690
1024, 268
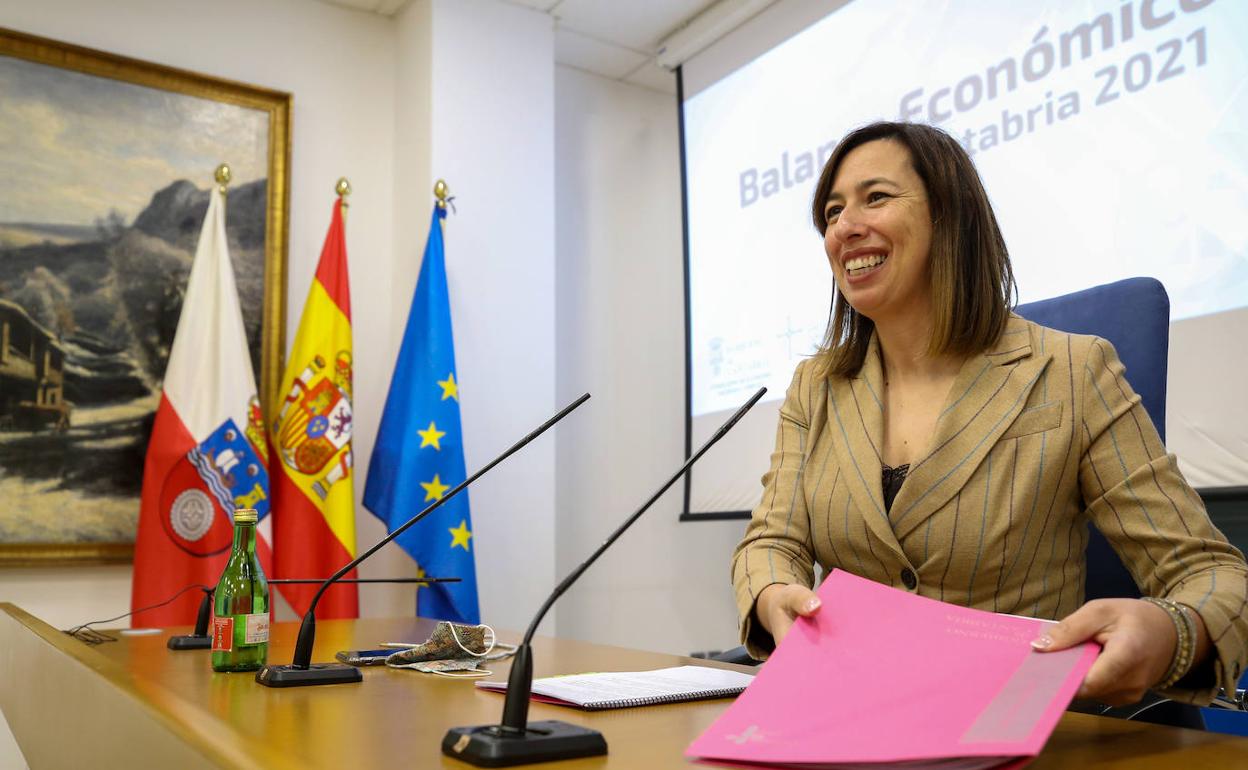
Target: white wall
411, 195
493, 140
1198, 423
620, 312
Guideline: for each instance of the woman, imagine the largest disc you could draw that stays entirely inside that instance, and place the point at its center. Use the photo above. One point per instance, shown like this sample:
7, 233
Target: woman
940, 444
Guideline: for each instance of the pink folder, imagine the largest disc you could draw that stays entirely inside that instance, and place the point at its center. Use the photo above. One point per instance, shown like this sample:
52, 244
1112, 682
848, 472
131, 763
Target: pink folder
881, 675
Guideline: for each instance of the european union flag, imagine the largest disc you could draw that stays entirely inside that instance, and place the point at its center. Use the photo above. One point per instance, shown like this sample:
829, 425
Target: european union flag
419, 453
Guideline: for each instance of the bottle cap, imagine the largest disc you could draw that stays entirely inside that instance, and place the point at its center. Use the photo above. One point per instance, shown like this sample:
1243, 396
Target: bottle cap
246, 516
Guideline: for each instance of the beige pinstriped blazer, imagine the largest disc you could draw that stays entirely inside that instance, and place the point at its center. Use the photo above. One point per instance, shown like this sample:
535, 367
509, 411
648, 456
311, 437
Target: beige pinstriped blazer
1040, 434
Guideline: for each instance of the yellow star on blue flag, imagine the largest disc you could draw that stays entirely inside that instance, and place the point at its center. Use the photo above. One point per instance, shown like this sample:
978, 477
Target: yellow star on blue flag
430, 436
434, 489
450, 389
460, 535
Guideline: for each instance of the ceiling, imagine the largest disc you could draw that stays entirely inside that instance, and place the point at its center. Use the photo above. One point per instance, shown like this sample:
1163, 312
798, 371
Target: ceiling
616, 39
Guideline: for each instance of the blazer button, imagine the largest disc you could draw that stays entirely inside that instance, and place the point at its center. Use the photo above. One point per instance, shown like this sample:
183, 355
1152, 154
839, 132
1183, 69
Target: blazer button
908, 577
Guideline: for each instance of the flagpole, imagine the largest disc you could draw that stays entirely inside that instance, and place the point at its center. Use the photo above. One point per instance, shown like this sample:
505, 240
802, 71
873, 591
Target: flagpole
223, 175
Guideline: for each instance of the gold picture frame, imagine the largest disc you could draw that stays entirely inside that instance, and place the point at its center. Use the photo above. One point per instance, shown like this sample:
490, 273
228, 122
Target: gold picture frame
126, 87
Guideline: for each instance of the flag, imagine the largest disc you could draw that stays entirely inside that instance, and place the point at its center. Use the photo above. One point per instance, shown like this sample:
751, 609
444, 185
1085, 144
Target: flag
419, 453
313, 501
207, 450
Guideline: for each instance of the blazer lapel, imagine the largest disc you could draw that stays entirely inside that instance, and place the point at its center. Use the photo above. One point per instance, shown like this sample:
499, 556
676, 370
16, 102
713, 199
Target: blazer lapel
988, 394
856, 426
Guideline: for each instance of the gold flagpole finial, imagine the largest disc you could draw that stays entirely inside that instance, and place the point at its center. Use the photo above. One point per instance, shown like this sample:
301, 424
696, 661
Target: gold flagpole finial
343, 188
223, 176
441, 192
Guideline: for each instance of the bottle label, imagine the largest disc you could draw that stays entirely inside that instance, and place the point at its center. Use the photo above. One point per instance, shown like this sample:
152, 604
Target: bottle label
222, 633
257, 628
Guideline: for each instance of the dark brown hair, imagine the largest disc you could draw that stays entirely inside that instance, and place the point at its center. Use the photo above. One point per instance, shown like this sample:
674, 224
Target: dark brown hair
972, 281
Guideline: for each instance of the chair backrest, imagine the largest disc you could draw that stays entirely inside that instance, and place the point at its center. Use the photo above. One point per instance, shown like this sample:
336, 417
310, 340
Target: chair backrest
1134, 315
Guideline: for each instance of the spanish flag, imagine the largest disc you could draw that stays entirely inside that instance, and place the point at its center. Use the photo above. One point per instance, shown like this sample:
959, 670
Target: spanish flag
313, 501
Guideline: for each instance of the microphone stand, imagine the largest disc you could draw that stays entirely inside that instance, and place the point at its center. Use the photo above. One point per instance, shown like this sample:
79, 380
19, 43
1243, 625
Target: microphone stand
516, 741
200, 640
301, 670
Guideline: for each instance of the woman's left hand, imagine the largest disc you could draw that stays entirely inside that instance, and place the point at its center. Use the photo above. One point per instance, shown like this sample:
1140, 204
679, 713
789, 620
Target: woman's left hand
1138, 641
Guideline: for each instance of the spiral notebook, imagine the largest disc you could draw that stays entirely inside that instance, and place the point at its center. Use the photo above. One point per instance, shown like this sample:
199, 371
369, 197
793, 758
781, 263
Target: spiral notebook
625, 689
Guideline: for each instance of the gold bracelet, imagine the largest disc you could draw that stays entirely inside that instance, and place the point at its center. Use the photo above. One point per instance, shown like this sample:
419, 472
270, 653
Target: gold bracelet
1185, 648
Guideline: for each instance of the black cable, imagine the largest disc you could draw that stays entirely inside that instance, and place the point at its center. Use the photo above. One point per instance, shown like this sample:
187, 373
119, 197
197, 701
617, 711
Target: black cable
81, 633
89, 636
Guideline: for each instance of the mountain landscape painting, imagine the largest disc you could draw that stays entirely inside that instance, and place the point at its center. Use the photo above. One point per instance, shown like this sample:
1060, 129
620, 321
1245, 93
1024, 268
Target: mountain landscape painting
106, 188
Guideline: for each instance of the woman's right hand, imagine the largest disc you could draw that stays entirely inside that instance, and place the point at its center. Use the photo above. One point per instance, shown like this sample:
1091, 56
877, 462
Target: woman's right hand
780, 604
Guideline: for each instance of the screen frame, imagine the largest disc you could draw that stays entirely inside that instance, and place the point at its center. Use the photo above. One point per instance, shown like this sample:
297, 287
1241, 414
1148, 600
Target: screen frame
685, 513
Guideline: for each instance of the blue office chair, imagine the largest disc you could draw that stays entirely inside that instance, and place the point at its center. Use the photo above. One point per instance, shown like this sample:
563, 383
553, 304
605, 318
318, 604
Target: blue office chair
1134, 315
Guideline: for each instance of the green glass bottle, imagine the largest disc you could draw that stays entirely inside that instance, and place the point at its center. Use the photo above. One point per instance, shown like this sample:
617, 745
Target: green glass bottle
240, 607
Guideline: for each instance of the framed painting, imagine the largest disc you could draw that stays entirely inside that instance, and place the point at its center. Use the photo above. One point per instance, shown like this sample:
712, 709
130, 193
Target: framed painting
107, 162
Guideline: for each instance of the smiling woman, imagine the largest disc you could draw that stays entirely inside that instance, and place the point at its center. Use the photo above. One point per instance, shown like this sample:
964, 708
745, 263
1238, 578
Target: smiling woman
940, 444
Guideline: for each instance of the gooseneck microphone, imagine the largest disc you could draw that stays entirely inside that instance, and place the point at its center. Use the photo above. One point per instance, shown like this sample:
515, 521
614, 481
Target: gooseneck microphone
516, 741
200, 640
301, 671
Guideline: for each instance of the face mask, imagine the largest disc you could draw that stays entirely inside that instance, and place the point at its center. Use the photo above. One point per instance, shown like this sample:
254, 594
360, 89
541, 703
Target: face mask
453, 667
452, 650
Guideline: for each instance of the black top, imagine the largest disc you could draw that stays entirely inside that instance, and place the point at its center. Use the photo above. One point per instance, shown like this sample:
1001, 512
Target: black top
892, 480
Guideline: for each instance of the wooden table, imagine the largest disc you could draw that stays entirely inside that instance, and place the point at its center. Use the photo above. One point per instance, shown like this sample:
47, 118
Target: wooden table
134, 703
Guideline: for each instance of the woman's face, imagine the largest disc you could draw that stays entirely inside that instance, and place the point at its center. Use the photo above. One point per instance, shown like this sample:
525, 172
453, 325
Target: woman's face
879, 231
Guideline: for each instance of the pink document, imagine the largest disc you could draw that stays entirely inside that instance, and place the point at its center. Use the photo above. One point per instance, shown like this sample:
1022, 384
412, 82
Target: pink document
881, 675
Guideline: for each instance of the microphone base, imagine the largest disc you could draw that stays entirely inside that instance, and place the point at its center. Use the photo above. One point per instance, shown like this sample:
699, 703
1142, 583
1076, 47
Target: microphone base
189, 642
317, 673
493, 746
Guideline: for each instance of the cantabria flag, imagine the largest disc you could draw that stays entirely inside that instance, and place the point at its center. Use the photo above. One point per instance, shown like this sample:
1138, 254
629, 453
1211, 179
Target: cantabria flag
206, 456
313, 502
